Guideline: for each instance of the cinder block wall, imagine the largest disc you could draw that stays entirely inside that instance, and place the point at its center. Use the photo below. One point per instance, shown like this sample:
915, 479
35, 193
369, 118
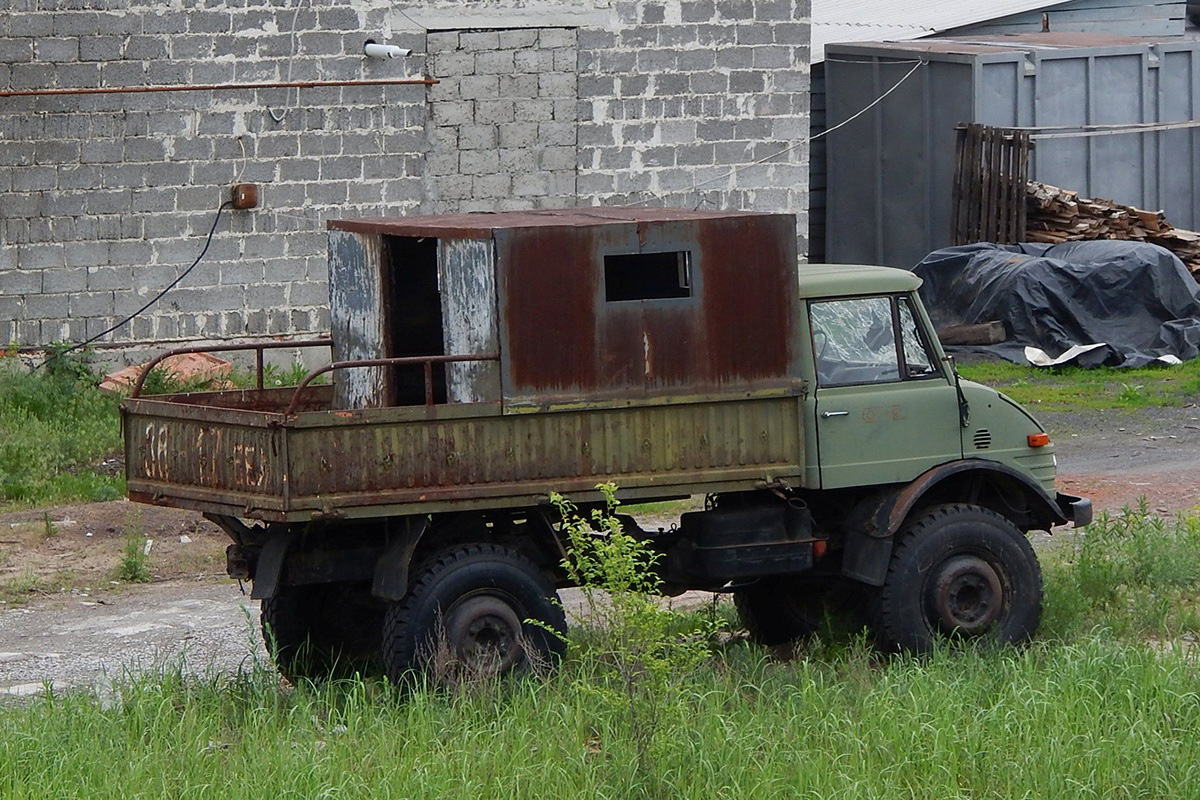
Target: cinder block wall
701, 102
105, 199
502, 125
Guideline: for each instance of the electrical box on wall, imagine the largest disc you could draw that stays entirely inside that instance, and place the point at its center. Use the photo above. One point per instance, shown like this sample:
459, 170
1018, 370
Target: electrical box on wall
244, 195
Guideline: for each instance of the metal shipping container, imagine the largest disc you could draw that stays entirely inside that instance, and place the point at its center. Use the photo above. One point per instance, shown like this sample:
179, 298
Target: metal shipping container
890, 171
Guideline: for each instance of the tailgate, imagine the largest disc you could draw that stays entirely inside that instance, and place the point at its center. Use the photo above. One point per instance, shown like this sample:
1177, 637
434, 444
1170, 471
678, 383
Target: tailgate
218, 460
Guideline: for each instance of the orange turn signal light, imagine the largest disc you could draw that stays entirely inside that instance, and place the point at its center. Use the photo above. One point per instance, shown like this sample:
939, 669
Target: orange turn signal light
1038, 439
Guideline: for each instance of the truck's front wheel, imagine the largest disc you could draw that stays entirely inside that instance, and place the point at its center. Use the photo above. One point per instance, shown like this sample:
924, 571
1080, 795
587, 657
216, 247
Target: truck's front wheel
474, 611
959, 571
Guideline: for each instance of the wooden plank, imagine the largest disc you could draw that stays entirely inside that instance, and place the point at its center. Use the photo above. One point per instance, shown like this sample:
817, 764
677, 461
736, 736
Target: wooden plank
988, 216
979, 164
995, 180
983, 333
957, 200
974, 131
356, 317
1008, 206
1026, 144
1004, 175
1014, 188
467, 277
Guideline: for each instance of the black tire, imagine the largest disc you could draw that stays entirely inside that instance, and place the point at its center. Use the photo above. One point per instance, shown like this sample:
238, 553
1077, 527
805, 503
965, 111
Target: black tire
779, 610
466, 616
959, 572
323, 630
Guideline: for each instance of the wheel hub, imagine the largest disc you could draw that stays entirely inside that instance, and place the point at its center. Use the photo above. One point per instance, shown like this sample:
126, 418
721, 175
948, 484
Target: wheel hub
484, 631
966, 595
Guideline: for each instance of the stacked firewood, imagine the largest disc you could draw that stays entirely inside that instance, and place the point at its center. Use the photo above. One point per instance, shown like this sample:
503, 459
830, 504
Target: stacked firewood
1057, 215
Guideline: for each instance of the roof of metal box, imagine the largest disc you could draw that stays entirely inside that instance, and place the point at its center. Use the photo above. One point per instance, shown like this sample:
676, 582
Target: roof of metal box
481, 225
843, 21
1004, 43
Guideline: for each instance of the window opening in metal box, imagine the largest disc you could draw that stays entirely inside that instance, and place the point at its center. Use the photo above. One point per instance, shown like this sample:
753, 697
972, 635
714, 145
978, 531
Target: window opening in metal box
648, 276
413, 318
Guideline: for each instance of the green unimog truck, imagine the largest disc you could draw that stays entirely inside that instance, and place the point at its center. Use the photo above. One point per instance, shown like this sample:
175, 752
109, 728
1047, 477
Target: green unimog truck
481, 361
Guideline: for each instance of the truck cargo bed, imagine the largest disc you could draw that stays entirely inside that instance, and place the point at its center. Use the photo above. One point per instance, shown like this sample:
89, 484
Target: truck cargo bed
238, 454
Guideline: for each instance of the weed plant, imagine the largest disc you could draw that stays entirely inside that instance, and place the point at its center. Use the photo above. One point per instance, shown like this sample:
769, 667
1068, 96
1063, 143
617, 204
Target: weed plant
163, 381
134, 566
637, 656
55, 428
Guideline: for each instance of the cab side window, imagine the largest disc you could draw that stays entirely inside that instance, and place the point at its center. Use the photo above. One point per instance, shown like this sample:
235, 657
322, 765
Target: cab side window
919, 360
865, 340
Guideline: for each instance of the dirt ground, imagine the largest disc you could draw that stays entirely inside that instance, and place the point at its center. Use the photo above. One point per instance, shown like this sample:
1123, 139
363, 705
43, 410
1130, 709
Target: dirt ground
65, 621
1117, 457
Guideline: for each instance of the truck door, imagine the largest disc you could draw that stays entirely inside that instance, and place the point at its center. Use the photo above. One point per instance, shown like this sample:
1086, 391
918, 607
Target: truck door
886, 408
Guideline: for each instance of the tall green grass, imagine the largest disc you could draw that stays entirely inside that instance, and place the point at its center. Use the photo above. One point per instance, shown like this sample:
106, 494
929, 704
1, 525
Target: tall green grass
1132, 574
1102, 705
1088, 719
55, 429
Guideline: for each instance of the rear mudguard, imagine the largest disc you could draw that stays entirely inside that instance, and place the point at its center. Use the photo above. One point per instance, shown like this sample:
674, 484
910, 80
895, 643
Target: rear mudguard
390, 572
873, 523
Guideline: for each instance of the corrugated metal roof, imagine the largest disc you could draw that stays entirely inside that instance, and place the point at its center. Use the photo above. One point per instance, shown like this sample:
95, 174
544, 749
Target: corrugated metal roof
872, 21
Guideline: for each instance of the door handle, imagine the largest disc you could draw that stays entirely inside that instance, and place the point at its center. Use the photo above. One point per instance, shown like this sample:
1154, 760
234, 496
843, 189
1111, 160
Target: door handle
828, 414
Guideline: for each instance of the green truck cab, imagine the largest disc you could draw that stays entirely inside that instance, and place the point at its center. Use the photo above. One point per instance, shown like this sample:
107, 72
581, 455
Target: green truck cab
482, 361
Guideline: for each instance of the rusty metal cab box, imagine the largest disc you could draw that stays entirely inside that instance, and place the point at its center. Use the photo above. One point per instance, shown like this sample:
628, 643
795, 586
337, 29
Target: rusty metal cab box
576, 306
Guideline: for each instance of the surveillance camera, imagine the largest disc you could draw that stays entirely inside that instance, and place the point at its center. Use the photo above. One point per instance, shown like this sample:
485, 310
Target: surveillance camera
374, 50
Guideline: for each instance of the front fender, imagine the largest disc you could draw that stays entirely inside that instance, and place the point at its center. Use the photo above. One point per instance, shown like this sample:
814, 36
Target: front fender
873, 523
1044, 511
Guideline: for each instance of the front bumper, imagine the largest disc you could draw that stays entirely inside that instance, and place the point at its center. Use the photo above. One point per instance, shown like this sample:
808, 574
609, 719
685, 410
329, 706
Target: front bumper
1076, 509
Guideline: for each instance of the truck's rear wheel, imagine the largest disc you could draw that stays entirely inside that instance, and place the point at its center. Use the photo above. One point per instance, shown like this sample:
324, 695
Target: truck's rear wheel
783, 609
467, 615
959, 571
315, 631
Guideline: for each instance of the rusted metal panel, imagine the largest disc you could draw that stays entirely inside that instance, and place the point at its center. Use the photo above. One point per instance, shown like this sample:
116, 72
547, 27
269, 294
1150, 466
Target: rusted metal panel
467, 278
357, 312
671, 445
563, 334
314, 398
548, 334
389, 460
562, 339
166, 450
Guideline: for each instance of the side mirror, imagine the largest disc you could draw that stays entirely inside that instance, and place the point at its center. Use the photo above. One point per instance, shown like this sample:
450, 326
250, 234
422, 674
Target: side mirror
964, 408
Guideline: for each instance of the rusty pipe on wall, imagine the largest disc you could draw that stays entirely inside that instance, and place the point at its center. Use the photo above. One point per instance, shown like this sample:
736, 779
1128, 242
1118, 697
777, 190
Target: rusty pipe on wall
204, 87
